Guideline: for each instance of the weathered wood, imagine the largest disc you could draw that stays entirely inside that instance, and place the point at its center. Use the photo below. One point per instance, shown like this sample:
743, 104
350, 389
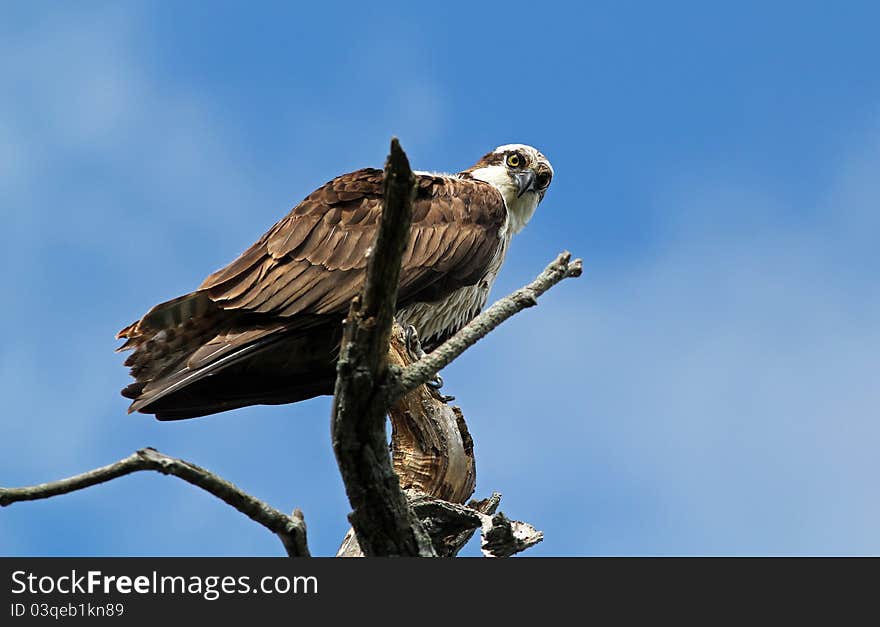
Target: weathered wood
291, 530
381, 516
502, 537
432, 450
433, 457
451, 525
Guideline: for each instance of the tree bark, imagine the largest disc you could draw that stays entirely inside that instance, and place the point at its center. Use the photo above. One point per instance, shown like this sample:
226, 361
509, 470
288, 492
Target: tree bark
381, 516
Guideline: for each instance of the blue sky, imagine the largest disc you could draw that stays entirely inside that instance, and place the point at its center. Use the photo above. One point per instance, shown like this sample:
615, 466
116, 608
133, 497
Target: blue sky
709, 386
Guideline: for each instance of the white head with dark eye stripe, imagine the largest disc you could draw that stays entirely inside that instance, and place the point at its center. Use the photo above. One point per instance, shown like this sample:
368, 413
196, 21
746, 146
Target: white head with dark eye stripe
521, 174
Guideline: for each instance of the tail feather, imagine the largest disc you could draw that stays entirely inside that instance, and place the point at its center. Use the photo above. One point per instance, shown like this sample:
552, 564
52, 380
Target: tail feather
166, 335
191, 358
175, 381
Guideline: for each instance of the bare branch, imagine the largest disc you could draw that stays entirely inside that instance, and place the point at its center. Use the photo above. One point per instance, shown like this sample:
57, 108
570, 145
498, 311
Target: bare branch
484, 506
291, 530
503, 537
296, 544
425, 368
451, 526
381, 516
447, 523
133, 463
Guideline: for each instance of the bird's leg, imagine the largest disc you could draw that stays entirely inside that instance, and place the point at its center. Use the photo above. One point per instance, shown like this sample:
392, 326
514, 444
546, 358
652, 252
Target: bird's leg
413, 345
414, 348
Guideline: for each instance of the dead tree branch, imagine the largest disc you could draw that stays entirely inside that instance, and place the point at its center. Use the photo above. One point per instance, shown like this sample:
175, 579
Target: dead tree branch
503, 537
381, 516
432, 451
291, 530
433, 457
425, 368
451, 526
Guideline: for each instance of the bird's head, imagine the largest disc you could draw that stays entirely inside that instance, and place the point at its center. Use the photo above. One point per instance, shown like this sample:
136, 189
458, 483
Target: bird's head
521, 174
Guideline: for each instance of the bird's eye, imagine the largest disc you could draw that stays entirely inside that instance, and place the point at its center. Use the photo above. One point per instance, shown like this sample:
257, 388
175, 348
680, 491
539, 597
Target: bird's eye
514, 160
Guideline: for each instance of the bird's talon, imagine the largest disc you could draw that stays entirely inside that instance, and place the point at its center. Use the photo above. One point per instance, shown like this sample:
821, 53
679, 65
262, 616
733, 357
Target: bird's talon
413, 345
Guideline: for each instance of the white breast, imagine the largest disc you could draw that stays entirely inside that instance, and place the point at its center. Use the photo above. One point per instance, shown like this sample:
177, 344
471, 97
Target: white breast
441, 318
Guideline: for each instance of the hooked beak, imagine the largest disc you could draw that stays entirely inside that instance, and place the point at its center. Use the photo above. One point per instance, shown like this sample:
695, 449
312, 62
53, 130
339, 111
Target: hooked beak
525, 181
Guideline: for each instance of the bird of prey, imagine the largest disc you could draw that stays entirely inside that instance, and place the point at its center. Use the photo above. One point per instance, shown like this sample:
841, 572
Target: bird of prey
266, 328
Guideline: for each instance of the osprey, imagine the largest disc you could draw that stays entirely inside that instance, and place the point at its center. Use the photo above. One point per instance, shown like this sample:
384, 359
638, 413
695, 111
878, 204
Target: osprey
266, 328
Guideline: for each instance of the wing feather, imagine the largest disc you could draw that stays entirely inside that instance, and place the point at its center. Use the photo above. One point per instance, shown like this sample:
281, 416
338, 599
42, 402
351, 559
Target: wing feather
276, 278
290, 234
252, 256
313, 260
243, 283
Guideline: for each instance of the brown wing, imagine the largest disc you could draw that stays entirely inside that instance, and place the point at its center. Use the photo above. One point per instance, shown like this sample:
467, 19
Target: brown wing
264, 329
313, 261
